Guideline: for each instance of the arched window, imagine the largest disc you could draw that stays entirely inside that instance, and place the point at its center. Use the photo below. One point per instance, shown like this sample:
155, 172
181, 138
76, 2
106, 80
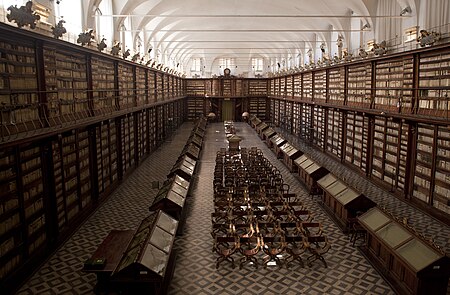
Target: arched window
72, 14
104, 21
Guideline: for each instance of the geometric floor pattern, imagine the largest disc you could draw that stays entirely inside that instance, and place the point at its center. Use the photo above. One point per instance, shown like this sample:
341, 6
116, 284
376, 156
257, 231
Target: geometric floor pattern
348, 272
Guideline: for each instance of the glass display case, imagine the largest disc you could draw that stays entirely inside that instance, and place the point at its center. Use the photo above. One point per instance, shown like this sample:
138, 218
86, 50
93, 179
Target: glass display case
412, 264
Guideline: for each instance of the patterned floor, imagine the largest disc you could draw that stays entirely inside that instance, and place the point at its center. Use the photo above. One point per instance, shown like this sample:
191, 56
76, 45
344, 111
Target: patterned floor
347, 273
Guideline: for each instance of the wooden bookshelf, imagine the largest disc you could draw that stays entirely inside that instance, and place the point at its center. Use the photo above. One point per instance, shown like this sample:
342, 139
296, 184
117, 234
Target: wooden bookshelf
126, 98
307, 86
72, 85
394, 83
319, 126
18, 85
127, 135
359, 85
195, 88
106, 148
141, 86
424, 162
356, 145
11, 237
103, 88
441, 197
434, 81
334, 132
297, 87
151, 87
257, 106
296, 121
256, 87
320, 86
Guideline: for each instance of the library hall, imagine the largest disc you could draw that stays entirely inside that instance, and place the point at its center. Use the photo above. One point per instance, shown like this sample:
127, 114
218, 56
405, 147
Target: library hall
206, 147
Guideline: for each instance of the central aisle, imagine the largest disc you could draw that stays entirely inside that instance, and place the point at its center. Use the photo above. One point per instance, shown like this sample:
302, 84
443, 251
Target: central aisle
195, 273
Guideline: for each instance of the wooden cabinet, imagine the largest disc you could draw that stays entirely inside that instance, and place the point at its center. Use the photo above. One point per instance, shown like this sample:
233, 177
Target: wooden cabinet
137, 262
276, 142
411, 264
290, 154
341, 201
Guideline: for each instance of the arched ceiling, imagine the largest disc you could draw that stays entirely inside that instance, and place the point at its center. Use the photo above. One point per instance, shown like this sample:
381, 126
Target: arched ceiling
212, 28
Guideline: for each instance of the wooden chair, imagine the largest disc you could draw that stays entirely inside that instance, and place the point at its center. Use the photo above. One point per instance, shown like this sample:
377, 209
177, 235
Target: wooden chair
311, 229
317, 246
249, 247
225, 247
273, 246
295, 248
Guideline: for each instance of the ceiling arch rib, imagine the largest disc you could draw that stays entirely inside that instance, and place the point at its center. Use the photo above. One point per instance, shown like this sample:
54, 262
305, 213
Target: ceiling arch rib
182, 29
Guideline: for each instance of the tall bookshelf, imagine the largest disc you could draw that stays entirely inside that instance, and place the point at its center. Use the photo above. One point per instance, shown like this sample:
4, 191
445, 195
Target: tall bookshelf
357, 133
126, 89
257, 106
106, 141
334, 132
152, 128
307, 88
319, 126
441, 196
127, 134
18, 86
141, 86
195, 88
257, 87
72, 84
394, 83
320, 86
151, 84
276, 112
11, 235
297, 86
424, 162
160, 86
103, 88
282, 92
296, 119
434, 81
359, 85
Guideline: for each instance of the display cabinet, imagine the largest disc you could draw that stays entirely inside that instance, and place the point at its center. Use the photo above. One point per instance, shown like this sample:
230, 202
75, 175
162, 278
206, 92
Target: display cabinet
276, 142
255, 121
184, 167
260, 128
342, 202
412, 264
140, 261
268, 133
290, 154
171, 199
310, 172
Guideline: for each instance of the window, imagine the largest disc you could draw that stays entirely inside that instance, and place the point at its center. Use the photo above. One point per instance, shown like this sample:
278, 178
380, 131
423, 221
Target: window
104, 21
410, 34
257, 64
71, 12
196, 65
226, 63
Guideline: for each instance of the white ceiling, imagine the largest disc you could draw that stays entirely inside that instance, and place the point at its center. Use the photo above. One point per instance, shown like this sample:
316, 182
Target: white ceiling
244, 28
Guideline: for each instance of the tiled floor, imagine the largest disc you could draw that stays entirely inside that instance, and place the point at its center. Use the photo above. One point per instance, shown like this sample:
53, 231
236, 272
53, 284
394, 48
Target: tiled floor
195, 273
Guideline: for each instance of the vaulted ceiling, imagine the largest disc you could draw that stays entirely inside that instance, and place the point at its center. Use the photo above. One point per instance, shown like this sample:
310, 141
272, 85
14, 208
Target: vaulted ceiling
244, 28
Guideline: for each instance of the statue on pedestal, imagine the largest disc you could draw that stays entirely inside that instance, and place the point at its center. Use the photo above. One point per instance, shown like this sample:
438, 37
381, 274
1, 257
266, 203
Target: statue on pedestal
23, 15
59, 29
340, 44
